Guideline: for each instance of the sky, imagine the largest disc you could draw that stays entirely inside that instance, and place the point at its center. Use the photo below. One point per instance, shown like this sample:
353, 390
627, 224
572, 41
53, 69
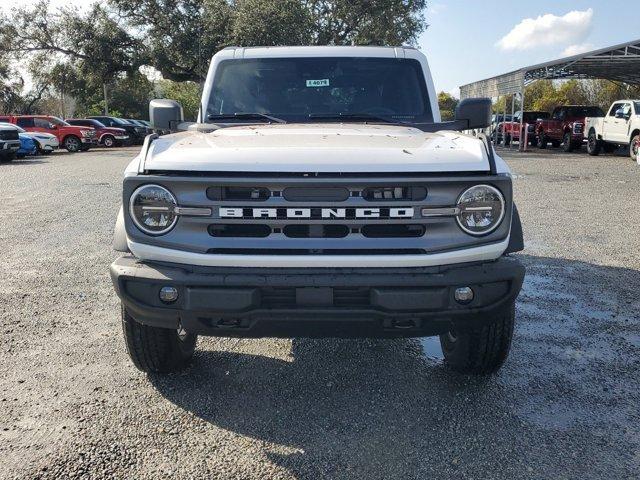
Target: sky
470, 40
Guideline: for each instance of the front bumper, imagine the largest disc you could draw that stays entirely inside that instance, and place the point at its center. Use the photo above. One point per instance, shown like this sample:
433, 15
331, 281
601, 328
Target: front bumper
317, 302
89, 141
8, 147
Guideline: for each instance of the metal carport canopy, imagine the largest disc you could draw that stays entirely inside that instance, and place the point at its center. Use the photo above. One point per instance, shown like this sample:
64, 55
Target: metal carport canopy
620, 63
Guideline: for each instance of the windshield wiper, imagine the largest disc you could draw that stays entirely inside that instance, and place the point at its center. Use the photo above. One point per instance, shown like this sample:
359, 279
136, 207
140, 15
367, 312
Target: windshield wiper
352, 116
245, 116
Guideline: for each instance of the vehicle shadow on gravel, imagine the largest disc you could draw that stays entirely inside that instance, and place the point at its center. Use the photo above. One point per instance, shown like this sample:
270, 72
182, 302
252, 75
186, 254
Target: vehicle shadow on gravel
381, 409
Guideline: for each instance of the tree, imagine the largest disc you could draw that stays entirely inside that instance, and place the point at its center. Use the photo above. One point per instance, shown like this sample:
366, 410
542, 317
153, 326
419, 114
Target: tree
187, 93
447, 104
180, 36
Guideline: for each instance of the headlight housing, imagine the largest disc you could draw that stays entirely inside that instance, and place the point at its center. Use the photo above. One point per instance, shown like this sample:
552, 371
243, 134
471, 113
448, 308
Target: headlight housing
152, 209
480, 208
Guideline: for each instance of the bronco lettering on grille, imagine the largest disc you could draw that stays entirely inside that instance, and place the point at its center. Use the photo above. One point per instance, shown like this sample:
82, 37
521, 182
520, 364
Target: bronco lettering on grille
317, 213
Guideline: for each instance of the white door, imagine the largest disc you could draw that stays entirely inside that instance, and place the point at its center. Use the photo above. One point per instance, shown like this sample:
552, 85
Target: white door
618, 122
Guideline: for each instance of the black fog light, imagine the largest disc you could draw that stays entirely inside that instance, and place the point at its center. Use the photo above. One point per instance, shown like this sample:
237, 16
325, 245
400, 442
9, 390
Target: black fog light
168, 294
463, 295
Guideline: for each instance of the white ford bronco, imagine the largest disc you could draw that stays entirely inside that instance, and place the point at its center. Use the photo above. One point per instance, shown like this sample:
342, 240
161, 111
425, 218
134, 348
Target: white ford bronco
318, 195
620, 126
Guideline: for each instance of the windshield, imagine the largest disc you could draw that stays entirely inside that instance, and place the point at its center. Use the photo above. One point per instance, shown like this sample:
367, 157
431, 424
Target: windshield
293, 89
533, 116
58, 121
585, 112
121, 121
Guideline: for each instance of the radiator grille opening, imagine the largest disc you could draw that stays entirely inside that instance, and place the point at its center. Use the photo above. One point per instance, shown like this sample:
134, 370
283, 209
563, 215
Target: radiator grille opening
316, 231
392, 231
240, 230
394, 193
343, 297
315, 194
253, 194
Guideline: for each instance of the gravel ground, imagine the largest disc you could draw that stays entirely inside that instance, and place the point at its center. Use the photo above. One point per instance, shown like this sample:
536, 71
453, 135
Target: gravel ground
566, 404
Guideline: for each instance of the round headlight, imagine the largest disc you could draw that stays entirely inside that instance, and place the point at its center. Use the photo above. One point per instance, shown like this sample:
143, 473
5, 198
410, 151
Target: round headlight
480, 209
152, 209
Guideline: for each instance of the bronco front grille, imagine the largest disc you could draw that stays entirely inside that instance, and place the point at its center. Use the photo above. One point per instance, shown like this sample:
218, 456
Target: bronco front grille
315, 215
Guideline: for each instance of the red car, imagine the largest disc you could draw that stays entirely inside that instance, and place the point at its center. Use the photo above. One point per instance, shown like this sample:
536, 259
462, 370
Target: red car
107, 136
510, 131
565, 127
72, 138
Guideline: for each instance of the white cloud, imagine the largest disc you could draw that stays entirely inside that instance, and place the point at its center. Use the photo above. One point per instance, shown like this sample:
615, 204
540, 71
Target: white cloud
577, 49
548, 30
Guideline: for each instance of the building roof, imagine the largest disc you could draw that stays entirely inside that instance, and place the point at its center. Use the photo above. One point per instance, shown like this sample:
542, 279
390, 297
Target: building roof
619, 63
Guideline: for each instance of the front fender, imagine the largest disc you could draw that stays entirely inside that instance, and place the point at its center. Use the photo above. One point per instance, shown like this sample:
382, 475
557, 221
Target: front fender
120, 234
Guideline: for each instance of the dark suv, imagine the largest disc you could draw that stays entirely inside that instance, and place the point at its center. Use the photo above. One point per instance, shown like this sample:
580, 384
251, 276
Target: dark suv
136, 133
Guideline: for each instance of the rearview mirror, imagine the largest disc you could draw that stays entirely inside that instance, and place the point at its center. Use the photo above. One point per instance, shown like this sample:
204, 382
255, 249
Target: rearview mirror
476, 112
165, 114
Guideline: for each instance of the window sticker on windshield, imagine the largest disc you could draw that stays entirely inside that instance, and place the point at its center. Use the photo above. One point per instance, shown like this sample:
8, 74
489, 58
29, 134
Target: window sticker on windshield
318, 83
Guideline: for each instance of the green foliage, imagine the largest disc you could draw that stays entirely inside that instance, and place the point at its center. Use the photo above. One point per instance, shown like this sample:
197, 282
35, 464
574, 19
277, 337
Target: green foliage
179, 44
447, 104
187, 93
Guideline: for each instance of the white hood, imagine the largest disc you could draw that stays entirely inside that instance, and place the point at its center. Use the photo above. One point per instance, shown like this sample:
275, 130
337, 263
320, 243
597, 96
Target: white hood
340, 148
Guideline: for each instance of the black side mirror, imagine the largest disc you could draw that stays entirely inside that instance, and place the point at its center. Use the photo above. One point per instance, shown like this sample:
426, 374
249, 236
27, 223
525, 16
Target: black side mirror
476, 112
165, 114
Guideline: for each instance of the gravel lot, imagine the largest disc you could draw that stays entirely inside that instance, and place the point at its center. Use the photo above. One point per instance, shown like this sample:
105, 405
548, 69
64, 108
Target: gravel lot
566, 404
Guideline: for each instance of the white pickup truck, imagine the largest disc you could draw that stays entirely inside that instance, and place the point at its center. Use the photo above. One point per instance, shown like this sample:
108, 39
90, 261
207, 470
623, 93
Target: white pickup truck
620, 126
319, 194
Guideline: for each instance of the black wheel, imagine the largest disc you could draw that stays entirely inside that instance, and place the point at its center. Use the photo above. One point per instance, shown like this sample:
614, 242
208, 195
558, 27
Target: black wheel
72, 144
634, 147
109, 141
507, 140
541, 140
567, 144
593, 144
157, 350
481, 350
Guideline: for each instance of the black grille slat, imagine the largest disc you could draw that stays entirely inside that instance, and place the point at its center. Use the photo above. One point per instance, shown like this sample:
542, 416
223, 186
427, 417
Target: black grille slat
393, 231
343, 297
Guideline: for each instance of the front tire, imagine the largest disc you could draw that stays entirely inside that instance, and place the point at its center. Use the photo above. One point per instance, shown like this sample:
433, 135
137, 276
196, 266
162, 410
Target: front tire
109, 141
72, 144
634, 148
541, 141
593, 145
157, 350
567, 144
480, 350
507, 140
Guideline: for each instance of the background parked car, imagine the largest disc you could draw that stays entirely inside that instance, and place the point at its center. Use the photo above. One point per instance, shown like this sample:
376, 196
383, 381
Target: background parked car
565, 127
136, 132
27, 146
107, 136
9, 143
510, 131
45, 142
140, 123
621, 127
70, 137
